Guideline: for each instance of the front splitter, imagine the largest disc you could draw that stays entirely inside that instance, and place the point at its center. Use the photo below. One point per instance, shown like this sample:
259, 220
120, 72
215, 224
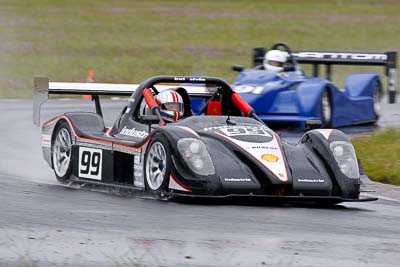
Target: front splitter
316, 199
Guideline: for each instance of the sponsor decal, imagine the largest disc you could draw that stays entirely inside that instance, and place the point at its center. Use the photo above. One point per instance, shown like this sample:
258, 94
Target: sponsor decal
311, 180
192, 79
134, 133
138, 162
237, 179
261, 148
270, 157
46, 140
197, 79
341, 55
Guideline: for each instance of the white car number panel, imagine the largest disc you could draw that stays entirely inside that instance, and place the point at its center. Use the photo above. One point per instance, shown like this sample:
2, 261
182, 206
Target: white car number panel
90, 163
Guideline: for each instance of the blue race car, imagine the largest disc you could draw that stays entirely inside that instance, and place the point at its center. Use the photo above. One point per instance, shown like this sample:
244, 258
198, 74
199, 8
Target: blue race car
291, 98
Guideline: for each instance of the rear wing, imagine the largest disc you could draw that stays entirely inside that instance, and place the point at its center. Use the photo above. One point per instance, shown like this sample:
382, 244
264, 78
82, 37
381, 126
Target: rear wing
43, 88
328, 58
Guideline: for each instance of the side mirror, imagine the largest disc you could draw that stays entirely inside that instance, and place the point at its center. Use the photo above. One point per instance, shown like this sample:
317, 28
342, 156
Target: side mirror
237, 68
313, 124
149, 119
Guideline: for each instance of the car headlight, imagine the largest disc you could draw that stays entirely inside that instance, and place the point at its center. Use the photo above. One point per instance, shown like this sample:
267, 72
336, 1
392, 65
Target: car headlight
195, 154
345, 156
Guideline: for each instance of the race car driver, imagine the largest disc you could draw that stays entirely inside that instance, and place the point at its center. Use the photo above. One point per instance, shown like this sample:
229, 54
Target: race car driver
171, 105
274, 60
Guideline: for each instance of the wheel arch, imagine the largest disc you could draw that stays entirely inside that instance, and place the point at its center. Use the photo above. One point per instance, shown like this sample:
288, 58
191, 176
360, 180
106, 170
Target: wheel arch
49, 130
174, 133
318, 141
57, 125
362, 84
179, 170
310, 94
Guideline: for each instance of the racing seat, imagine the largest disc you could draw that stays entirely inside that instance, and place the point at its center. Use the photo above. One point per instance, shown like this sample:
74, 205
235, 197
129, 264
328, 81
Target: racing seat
115, 126
187, 105
214, 108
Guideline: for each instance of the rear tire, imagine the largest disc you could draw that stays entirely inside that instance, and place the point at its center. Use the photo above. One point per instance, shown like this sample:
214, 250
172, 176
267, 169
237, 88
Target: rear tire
377, 100
157, 166
326, 109
61, 152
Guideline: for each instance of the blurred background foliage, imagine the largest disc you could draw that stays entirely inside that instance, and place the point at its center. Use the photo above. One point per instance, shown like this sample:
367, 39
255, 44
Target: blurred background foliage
128, 41
380, 155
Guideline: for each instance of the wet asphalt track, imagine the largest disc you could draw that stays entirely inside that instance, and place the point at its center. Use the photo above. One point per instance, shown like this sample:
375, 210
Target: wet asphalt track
51, 225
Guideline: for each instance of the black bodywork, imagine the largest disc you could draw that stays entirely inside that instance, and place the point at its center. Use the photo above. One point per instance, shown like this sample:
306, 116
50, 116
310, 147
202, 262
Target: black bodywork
248, 158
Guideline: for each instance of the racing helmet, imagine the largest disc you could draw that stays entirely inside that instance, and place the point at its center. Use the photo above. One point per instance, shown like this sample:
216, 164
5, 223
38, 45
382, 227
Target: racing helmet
171, 105
274, 60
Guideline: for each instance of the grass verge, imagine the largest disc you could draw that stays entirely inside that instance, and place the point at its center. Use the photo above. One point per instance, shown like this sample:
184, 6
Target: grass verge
129, 41
380, 155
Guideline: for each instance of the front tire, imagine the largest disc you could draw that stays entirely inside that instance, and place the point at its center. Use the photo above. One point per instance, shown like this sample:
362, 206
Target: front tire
61, 153
326, 109
157, 166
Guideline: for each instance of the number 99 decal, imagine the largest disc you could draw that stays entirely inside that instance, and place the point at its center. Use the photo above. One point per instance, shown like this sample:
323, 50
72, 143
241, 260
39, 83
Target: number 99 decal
90, 163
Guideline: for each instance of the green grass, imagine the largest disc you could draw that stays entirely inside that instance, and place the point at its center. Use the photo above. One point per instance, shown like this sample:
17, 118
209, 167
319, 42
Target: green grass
380, 155
128, 41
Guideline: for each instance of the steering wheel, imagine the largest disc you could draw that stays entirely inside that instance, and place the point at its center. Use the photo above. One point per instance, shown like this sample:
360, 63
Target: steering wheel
292, 59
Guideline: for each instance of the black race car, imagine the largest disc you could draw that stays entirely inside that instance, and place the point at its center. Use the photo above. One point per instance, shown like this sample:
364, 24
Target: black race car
220, 150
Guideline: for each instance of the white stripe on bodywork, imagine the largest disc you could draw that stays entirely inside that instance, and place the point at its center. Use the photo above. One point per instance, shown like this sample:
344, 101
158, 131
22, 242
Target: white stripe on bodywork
189, 130
174, 185
325, 132
278, 168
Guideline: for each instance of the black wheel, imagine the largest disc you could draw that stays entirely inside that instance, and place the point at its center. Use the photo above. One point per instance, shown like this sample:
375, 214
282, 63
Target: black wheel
326, 109
157, 165
61, 153
377, 100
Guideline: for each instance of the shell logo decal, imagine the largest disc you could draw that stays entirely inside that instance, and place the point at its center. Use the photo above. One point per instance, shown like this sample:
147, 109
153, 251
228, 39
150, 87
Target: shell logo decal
270, 157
